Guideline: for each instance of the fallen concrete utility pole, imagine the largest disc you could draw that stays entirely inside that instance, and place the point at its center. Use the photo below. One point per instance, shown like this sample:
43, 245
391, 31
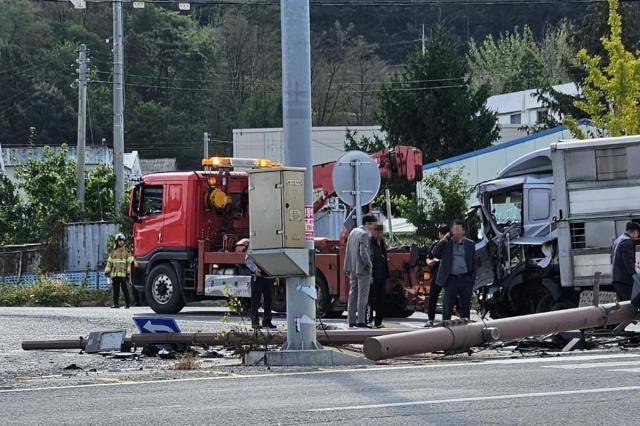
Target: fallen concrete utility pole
456, 338
329, 338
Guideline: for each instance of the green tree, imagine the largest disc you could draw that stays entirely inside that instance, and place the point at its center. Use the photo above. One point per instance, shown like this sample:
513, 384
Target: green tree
12, 223
517, 61
445, 198
99, 202
611, 90
48, 186
431, 106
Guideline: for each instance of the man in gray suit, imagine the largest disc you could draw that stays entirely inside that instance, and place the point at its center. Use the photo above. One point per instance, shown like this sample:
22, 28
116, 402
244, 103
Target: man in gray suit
357, 264
457, 271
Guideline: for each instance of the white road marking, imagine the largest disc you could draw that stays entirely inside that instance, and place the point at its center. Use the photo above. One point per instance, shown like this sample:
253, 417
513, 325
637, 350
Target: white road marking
560, 358
477, 398
600, 365
626, 370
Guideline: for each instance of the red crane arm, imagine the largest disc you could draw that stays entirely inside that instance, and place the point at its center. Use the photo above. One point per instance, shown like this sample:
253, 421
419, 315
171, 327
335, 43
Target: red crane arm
399, 161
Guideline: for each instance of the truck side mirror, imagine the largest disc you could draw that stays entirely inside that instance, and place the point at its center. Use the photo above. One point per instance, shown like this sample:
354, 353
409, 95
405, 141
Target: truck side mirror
134, 204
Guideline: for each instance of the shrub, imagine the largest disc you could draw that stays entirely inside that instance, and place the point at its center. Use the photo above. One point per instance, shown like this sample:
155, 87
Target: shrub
47, 292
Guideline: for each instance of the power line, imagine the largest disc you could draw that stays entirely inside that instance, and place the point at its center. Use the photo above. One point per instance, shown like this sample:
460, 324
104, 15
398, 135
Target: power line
364, 3
199, 89
28, 67
270, 81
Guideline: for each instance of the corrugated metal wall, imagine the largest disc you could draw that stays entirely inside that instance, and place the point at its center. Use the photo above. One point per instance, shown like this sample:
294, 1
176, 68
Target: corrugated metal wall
86, 245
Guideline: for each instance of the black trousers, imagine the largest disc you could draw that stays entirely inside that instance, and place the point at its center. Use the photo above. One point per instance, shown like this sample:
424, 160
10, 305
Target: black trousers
458, 289
117, 283
261, 287
623, 290
379, 288
434, 294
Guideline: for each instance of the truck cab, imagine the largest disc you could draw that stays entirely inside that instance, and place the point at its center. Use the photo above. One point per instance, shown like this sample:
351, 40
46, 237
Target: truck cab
514, 227
175, 214
547, 222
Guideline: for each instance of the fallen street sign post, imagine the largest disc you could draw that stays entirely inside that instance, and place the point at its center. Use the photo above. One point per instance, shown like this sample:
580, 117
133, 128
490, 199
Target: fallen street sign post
148, 325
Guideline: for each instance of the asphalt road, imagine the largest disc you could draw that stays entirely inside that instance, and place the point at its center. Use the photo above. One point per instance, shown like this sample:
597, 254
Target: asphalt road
593, 388
589, 389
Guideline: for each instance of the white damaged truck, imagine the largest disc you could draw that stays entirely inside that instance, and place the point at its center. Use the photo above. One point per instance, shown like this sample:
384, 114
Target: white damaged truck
544, 227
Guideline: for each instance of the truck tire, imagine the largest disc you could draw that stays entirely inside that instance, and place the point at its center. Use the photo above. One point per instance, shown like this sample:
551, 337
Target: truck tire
323, 302
162, 290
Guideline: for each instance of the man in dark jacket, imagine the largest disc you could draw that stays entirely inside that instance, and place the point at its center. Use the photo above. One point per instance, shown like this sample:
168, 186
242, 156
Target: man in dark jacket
623, 261
261, 287
457, 271
380, 273
434, 289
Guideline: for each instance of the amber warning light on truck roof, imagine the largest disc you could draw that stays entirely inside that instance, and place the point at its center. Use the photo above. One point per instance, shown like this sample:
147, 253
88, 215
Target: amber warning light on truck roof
249, 163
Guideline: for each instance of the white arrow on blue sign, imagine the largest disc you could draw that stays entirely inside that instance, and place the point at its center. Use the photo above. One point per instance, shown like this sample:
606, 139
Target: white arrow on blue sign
148, 325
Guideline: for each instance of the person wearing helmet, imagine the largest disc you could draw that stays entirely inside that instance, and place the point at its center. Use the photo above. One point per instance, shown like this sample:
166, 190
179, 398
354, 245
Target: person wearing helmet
119, 269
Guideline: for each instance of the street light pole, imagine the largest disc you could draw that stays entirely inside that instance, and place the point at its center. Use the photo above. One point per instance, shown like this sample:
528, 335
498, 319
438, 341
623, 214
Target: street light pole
82, 123
296, 105
118, 103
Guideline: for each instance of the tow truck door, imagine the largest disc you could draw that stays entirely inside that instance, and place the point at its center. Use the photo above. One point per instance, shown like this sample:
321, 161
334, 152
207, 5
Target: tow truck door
149, 227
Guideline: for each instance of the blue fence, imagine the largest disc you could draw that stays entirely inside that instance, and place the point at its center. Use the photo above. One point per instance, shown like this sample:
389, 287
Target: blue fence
93, 280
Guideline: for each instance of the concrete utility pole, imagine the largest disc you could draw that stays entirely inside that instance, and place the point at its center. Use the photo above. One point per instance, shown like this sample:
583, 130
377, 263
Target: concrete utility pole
118, 103
82, 122
296, 105
424, 47
206, 144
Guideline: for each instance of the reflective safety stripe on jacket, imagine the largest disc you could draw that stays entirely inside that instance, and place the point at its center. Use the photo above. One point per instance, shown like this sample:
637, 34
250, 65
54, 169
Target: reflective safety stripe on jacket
119, 263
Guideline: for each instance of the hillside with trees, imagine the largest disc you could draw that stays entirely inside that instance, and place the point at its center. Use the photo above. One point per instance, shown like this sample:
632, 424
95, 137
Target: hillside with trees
217, 67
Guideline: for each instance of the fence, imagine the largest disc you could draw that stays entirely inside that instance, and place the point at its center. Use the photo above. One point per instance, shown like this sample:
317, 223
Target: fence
84, 249
85, 245
93, 280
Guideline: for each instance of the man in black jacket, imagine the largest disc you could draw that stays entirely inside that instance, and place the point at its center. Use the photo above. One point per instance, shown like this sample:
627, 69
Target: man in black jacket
434, 289
457, 271
380, 273
623, 261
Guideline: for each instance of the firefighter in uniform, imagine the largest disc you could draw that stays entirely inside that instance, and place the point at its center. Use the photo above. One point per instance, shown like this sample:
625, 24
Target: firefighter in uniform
119, 269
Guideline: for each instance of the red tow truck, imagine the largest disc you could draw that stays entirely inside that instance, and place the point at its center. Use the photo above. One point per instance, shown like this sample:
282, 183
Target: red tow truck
187, 224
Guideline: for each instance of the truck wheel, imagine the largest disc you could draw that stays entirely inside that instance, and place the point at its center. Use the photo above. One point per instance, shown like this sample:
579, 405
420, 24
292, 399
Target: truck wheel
544, 305
323, 302
399, 311
163, 290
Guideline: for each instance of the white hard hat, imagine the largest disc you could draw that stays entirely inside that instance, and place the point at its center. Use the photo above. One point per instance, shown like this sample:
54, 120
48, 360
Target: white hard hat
120, 236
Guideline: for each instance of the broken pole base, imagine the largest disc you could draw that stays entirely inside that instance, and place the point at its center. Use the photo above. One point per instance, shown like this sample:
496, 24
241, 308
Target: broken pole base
315, 358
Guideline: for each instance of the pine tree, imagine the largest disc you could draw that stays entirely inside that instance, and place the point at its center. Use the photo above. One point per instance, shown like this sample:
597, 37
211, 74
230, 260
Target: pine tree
431, 106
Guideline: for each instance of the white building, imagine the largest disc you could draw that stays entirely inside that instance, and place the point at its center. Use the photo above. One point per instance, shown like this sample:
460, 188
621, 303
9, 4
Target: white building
94, 155
485, 164
327, 142
132, 169
518, 110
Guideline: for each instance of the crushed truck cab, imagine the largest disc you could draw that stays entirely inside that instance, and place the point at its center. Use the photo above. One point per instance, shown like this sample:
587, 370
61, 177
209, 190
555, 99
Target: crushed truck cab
544, 227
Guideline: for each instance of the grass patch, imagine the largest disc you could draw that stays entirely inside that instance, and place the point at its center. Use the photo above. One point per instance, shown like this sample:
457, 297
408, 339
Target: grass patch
46, 292
187, 362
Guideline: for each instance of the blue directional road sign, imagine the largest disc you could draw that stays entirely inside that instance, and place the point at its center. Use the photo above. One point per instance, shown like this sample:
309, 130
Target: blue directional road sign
148, 325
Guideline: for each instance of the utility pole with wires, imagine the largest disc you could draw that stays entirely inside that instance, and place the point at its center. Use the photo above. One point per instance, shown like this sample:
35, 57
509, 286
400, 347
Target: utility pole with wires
82, 122
206, 141
118, 104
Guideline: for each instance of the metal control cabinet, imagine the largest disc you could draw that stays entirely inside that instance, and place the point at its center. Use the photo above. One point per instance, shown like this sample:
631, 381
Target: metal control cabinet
276, 208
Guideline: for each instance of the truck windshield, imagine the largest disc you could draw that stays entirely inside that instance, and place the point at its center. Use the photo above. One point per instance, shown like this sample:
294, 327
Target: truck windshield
506, 208
151, 200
